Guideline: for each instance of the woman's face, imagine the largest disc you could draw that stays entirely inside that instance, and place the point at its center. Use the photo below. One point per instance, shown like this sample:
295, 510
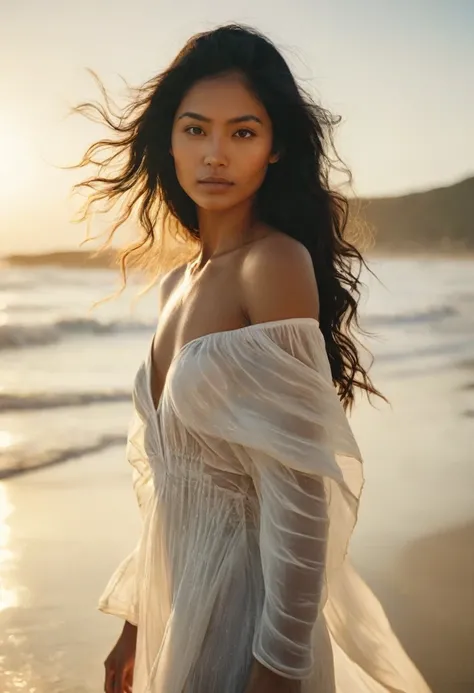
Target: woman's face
221, 130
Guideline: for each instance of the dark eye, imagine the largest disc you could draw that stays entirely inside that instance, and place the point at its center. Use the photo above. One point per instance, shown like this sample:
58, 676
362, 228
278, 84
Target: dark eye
249, 132
192, 127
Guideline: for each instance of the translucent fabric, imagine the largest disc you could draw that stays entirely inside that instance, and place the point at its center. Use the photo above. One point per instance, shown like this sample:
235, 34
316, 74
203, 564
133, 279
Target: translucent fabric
249, 478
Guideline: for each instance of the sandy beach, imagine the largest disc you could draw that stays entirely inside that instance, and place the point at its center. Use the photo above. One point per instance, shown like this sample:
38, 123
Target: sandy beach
415, 540
65, 528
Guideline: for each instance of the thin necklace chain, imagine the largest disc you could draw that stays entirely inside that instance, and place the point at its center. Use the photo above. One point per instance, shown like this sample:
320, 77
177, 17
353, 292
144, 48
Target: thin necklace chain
226, 252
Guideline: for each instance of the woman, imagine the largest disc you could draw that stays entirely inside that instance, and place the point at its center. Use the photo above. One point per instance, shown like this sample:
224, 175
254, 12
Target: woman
246, 470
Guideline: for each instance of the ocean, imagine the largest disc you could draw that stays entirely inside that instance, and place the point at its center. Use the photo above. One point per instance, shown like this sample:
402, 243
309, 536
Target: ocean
66, 371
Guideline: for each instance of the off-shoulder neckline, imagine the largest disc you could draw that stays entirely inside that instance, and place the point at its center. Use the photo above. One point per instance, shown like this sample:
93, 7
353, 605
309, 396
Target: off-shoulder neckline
247, 328
208, 336
236, 330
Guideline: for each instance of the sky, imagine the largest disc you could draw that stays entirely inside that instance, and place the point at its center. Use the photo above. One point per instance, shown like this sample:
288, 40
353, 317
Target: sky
398, 73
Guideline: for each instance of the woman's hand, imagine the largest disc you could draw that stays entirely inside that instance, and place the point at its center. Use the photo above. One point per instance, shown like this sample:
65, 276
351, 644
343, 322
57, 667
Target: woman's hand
120, 662
263, 680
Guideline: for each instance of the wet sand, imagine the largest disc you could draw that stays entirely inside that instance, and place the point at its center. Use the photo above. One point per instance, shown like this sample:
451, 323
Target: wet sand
429, 597
63, 530
67, 529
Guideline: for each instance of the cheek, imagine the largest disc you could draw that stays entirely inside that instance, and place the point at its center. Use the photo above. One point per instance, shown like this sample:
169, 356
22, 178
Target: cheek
253, 161
185, 165
256, 152
183, 151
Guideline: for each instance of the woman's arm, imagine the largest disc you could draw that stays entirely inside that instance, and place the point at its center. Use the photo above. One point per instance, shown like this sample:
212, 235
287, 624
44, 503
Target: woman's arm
293, 540
120, 663
264, 680
279, 283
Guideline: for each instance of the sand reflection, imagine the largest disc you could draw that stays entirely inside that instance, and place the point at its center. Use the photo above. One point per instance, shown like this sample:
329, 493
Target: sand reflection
8, 593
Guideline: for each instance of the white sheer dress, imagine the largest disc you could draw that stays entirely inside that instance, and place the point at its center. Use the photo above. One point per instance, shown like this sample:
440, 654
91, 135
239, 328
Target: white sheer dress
248, 478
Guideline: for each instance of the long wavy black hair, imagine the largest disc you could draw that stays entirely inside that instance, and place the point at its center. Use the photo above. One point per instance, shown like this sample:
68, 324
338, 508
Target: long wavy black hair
135, 168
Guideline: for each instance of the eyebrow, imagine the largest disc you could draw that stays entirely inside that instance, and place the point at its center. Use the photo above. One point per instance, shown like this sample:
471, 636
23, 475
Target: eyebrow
204, 119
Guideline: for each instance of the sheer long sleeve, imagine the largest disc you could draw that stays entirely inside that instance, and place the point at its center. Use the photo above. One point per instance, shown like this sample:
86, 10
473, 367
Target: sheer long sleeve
120, 597
268, 399
293, 542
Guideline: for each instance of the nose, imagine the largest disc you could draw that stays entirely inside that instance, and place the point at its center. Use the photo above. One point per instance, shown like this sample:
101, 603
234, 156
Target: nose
215, 154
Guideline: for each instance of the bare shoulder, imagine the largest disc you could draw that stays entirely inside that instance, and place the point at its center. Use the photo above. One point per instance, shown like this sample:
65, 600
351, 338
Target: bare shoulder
168, 282
278, 280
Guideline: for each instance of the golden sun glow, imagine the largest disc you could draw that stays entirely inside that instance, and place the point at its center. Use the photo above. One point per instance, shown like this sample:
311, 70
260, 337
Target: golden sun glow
16, 163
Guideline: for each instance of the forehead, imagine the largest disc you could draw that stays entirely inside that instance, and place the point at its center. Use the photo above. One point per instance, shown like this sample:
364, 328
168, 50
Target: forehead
222, 97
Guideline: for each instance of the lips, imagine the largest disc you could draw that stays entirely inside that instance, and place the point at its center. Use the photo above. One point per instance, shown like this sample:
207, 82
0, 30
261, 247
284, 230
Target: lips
215, 181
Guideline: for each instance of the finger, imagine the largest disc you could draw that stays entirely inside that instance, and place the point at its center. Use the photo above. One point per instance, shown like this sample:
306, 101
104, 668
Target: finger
109, 680
128, 680
118, 681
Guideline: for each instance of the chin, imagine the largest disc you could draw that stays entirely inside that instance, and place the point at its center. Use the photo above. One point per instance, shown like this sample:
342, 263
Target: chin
217, 203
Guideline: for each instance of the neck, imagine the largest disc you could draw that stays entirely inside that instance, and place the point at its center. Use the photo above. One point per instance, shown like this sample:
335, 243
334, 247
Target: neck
226, 230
